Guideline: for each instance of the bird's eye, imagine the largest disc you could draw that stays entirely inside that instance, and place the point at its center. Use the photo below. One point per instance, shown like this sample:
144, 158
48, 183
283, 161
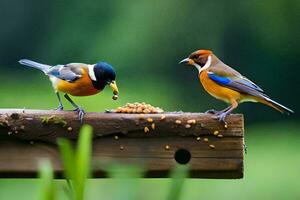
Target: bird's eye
195, 56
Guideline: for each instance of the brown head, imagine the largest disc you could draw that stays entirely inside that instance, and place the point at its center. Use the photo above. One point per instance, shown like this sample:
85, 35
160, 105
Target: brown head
200, 59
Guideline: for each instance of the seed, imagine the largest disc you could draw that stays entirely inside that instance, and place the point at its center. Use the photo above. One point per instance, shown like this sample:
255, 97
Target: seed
16, 132
220, 135
146, 111
153, 126
167, 147
9, 132
130, 105
146, 129
115, 97
153, 110
162, 117
187, 126
205, 139
198, 138
70, 128
22, 127
178, 121
225, 126
212, 146
122, 147
116, 137
138, 108
150, 120
141, 116
191, 121
142, 106
216, 132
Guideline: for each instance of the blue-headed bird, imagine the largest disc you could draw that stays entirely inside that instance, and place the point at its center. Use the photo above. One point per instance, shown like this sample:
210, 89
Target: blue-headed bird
225, 83
77, 79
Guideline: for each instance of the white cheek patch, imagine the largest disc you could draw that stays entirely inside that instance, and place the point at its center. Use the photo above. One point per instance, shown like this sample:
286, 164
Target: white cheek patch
198, 67
207, 65
92, 73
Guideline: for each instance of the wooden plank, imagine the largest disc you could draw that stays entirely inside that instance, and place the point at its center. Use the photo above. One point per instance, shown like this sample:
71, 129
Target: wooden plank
19, 159
27, 124
25, 140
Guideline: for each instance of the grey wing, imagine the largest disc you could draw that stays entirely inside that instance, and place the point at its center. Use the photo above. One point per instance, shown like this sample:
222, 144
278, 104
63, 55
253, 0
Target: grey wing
70, 72
238, 83
246, 82
228, 77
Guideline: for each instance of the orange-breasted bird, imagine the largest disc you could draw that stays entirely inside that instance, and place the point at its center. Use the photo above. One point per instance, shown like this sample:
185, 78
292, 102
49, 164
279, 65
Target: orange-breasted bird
77, 79
225, 83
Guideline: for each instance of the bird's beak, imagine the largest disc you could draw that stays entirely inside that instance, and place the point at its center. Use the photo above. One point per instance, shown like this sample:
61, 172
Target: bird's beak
114, 87
187, 61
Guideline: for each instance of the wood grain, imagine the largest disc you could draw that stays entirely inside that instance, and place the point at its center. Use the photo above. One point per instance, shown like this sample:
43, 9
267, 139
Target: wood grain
27, 124
25, 140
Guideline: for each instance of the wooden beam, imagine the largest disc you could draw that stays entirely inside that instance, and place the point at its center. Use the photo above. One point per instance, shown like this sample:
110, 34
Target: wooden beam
215, 151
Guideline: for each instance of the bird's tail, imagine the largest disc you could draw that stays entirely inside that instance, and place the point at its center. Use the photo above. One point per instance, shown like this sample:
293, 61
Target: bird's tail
277, 106
33, 64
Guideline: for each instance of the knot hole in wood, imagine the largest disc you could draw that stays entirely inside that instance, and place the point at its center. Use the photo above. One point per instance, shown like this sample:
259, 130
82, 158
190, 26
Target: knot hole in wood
182, 156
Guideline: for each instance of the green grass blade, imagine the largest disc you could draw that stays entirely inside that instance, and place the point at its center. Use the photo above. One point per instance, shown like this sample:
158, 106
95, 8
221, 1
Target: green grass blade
178, 177
47, 190
83, 159
126, 179
68, 158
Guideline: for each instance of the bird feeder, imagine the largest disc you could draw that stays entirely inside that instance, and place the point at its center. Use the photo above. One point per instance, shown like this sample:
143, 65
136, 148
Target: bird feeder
157, 141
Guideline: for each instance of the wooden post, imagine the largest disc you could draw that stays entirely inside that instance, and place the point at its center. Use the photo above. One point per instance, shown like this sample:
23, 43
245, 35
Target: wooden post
158, 141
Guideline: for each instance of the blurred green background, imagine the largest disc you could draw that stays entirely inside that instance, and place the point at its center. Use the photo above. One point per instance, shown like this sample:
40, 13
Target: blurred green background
144, 41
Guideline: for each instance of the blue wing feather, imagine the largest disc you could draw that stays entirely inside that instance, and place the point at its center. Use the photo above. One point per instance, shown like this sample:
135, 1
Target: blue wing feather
219, 79
238, 83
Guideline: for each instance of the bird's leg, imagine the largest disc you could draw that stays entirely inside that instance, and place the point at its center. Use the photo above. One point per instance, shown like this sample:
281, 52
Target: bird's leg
221, 116
215, 112
77, 108
60, 106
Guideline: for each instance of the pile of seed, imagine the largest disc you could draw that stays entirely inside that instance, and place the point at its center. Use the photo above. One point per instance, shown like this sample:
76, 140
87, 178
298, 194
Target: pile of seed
138, 108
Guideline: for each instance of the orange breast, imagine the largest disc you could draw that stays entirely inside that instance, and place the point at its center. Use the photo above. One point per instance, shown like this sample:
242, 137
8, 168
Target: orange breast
81, 87
217, 90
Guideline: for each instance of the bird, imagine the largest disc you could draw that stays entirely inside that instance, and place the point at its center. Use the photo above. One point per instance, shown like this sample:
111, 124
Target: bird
77, 79
227, 84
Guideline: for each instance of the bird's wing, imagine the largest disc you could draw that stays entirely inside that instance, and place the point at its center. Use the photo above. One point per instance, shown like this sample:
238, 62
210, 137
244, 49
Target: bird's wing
236, 82
69, 72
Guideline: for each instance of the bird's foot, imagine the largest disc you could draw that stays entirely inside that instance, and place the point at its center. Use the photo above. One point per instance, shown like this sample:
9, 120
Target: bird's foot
211, 111
59, 108
81, 113
221, 117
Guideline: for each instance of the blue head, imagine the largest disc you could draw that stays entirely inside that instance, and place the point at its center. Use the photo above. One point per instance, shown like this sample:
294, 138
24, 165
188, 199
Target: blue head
105, 75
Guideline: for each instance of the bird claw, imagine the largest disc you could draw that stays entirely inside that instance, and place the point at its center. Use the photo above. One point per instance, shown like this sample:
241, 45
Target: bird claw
81, 113
221, 117
59, 108
211, 111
